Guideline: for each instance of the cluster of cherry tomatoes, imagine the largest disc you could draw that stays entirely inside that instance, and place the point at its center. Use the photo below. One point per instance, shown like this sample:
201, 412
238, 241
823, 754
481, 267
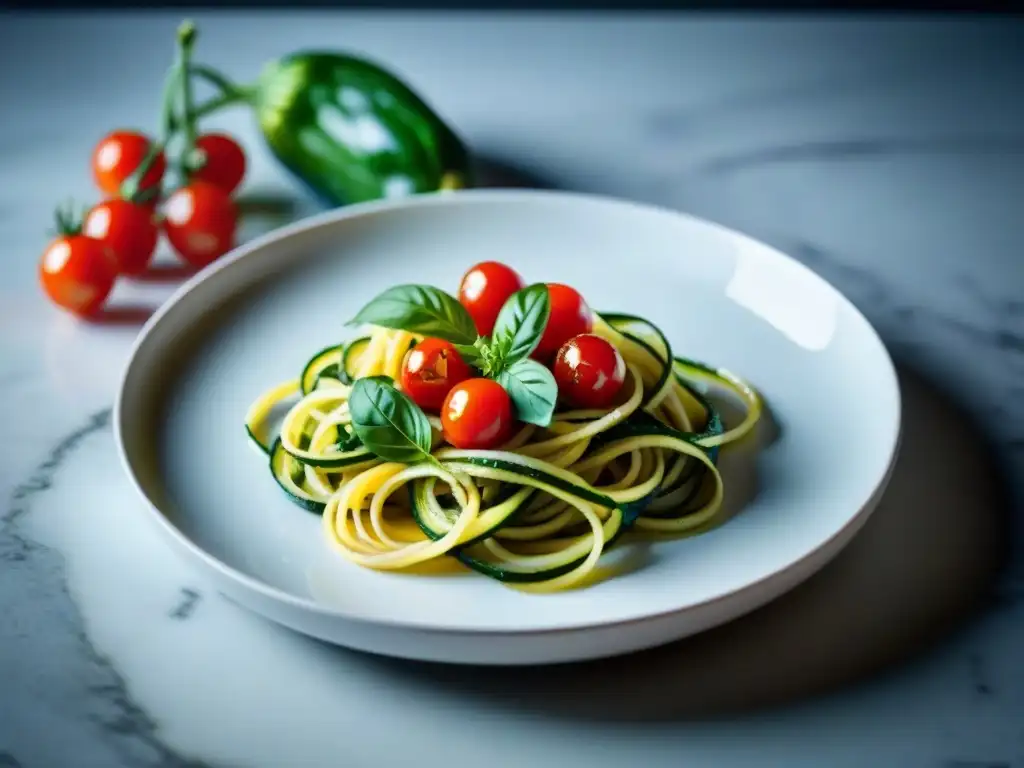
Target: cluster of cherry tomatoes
119, 235
476, 412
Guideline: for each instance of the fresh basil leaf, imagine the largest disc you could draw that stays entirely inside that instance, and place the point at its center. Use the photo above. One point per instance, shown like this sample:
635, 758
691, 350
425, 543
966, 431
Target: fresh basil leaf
387, 422
420, 309
532, 389
522, 320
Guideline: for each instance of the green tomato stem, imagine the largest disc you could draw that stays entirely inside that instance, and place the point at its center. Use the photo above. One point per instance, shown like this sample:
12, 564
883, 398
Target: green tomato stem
228, 89
68, 220
171, 85
211, 106
130, 188
229, 93
179, 83
186, 39
217, 103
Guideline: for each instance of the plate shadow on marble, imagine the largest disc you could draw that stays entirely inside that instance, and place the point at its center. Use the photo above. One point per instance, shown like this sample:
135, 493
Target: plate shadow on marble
922, 565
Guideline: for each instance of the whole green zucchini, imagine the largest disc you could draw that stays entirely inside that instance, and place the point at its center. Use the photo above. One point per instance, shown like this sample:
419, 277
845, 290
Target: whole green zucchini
352, 131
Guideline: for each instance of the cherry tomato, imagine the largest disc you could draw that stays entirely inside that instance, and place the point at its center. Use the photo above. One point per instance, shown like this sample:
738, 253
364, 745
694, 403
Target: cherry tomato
430, 370
78, 273
570, 316
128, 228
224, 164
118, 155
200, 221
477, 414
484, 290
589, 371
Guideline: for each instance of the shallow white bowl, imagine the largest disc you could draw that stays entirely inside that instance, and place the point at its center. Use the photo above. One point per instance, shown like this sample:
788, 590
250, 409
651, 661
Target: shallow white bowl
255, 317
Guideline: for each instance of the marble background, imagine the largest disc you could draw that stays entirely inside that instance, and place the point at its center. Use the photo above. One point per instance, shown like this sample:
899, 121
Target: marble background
886, 154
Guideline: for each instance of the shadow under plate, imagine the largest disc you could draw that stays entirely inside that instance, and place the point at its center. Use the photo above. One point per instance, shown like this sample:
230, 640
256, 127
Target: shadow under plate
923, 563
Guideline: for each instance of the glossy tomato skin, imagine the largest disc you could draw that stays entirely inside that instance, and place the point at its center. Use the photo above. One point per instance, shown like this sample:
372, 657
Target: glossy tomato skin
484, 290
78, 273
477, 414
570, 316
589, 371
200, 221
224, 164
117, 156
429, 372
129, 229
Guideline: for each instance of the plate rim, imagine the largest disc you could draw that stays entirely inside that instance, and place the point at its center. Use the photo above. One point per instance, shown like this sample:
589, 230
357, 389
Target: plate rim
765, 588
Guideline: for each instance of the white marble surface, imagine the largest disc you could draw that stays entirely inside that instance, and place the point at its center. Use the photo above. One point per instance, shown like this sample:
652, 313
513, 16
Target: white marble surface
888, 156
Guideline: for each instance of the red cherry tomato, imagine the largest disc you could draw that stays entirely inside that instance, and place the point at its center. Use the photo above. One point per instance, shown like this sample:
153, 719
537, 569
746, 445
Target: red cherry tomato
484, 290
129, 229
78, 273
117, 156
570, 316
589, 371
200, 221
430, 370
224, 164
477, 414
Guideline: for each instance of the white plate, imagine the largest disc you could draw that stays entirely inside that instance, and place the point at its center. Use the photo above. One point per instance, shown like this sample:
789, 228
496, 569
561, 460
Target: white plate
255, 317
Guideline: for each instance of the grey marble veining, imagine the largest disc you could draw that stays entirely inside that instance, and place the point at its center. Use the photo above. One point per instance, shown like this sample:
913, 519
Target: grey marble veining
887, 156
82, 673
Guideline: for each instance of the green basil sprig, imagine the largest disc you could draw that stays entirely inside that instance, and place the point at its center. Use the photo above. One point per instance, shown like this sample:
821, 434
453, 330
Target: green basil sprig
517, 332
420, 309
503, 357
388, 423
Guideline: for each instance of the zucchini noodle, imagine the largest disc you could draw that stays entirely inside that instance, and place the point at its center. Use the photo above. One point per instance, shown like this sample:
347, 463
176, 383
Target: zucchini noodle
537, 513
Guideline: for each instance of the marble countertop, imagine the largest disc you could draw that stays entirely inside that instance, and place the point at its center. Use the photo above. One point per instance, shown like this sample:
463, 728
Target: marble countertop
887, 155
